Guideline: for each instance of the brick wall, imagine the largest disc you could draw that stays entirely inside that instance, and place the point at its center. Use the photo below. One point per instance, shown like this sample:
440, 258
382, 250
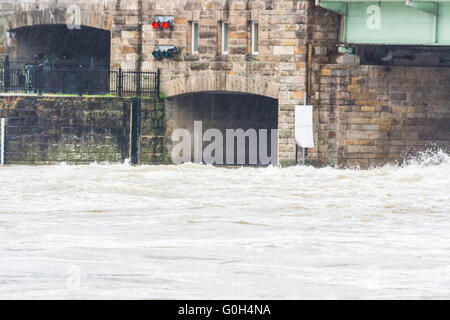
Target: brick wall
381, 114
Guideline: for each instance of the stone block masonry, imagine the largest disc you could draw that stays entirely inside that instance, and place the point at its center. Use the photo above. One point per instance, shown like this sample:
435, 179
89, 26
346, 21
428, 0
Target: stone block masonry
155, 140
77, 130
363, 115
376, 115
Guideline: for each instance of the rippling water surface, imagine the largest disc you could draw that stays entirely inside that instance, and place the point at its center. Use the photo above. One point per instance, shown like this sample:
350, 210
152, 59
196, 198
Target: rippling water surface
190, 231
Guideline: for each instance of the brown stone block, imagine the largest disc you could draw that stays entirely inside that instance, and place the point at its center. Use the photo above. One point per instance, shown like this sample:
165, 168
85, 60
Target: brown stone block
379, 104
367, 109
386, 128
128, 50
360, 120
380, 121
399, 109
180, 20
325, 72
359, 142
221, 66
199, 66
291, 27
238, 35
300, 50
290, 42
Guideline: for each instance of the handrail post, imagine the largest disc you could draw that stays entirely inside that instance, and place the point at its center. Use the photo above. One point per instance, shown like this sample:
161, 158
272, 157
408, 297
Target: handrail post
80, 84
6, 79
158, 81
137, 84
36, 76
120, 83
39, 79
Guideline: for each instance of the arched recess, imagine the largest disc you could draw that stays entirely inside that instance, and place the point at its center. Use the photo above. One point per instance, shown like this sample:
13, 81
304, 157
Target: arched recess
58, 41
71, 15
72, 18
216, 81
201, 112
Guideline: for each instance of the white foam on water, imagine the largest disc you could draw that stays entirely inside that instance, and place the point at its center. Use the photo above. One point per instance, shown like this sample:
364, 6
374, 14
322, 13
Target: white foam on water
192, 231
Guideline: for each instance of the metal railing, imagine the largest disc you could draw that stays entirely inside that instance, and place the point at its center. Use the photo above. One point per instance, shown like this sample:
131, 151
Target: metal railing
53, 76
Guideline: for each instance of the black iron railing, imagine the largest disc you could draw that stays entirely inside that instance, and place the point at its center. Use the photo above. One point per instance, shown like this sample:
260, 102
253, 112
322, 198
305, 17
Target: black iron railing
74, 77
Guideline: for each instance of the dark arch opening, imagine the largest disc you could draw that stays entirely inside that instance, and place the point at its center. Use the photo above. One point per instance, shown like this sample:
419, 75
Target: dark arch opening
60, 42
222, 111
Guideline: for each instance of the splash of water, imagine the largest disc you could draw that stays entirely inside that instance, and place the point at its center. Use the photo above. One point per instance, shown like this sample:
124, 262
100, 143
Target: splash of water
430, 157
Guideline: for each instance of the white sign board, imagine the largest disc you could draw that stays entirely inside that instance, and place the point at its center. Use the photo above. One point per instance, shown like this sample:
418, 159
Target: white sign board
304, 126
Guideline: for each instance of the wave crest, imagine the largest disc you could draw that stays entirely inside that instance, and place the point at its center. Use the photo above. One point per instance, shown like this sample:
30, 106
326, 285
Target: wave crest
429, 157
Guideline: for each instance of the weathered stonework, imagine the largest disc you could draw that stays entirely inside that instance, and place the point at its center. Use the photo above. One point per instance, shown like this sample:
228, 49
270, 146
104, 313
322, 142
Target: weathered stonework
154, 136
380, 114
283, 70
278, 71
79, 130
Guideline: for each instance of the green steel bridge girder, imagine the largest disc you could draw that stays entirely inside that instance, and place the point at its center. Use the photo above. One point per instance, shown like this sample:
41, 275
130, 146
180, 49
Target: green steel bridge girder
392, 22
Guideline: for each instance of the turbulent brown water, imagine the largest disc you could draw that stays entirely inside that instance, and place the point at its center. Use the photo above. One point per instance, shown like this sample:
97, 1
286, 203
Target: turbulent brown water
191, 231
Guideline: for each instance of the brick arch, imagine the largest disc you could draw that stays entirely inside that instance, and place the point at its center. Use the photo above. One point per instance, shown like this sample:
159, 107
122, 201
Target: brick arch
51, 16
210, 81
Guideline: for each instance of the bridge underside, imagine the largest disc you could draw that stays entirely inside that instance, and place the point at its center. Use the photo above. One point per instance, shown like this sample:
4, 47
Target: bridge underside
392, 22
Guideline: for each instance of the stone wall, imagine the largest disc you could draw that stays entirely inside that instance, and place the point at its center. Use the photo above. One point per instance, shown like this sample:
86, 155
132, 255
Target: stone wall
278, 71
78, 130
155, 140
323, 36
380, 114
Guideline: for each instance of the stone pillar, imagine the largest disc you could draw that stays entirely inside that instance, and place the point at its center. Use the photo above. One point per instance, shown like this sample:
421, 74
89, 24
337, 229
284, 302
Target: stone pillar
125, 35
323, 35
287, 33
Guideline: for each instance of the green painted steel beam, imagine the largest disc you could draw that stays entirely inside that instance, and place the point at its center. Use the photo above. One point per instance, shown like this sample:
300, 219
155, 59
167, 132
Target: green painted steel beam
338, 7
392, 22
430, 7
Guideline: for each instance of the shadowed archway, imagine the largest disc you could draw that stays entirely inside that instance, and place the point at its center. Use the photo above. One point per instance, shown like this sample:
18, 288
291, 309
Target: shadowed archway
60, 42
229, 111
